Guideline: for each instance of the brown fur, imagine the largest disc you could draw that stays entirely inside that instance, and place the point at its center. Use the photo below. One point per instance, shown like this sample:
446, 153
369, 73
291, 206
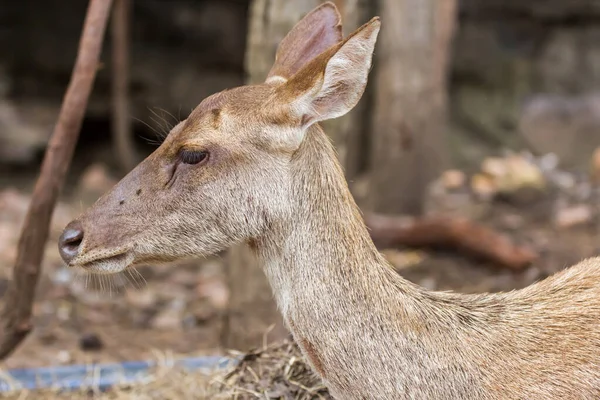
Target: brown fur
309, 350
272, 179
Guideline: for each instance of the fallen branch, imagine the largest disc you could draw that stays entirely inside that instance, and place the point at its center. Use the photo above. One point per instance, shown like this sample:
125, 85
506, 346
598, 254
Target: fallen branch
16, 315
457, 233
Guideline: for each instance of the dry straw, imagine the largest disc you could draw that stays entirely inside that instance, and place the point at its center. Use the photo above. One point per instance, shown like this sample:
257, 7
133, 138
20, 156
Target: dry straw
276, 371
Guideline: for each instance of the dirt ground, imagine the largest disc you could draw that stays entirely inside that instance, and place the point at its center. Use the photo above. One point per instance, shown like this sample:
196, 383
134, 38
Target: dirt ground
178, 309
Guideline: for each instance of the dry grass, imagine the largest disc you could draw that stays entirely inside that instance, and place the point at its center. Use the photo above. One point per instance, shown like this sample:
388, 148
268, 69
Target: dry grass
277, 371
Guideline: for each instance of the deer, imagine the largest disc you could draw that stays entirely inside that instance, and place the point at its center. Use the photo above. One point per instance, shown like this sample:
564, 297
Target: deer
252, 165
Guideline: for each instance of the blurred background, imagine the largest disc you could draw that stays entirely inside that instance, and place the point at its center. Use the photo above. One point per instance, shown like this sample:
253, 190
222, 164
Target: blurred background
484, 111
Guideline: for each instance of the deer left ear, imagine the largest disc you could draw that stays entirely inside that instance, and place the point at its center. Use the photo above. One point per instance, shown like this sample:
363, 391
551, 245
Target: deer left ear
316, 32
333, 83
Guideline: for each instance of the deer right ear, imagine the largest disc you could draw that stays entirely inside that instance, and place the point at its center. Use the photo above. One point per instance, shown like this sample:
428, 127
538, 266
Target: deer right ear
332, 83
316, 32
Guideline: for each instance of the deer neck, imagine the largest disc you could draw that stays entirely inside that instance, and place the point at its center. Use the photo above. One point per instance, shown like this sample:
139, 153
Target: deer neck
346, 307
323, 250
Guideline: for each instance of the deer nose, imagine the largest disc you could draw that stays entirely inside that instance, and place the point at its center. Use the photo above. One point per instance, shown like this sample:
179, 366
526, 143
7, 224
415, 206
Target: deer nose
70, 241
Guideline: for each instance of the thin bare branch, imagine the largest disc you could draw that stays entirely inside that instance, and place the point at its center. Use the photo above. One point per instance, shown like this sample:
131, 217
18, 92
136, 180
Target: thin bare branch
16, 314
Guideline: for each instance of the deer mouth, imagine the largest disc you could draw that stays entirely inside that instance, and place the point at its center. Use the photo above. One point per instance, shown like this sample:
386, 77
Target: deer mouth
105, 264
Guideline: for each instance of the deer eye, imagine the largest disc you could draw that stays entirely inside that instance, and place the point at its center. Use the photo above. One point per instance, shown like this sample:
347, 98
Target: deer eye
193, 156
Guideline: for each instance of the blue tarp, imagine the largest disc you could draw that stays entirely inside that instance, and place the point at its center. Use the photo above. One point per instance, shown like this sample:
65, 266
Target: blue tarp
100, 376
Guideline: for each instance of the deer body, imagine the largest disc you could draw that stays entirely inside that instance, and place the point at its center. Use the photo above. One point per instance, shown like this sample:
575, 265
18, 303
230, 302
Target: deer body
371, 334
252, 164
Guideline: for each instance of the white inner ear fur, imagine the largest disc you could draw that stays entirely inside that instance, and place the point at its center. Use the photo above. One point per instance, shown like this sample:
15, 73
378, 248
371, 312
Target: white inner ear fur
275, 79
343, 83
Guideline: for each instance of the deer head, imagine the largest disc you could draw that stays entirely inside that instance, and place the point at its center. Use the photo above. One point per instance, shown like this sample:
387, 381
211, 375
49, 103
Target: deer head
222, 176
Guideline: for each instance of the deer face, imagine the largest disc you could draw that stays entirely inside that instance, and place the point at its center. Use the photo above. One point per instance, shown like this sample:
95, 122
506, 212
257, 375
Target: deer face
216, 180
224, 174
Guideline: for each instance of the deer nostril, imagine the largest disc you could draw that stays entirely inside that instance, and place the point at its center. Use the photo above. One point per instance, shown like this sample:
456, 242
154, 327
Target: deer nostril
70, 241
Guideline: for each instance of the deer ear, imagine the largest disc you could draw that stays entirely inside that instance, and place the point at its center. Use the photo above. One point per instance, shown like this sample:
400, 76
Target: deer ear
331, 85
316, 32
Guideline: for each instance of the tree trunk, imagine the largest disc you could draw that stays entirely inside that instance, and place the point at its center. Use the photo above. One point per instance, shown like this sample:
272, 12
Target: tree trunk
408, 140
350, 132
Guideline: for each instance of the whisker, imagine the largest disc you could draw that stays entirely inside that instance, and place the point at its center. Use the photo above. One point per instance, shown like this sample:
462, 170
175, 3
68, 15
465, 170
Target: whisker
107, 285
120, 281
152, 142
132, 279
147, 125
142, 277
127, 276
135, 280
165, 123
160, 135
110, 283
138, 277
163, 133
169, 114
94, 282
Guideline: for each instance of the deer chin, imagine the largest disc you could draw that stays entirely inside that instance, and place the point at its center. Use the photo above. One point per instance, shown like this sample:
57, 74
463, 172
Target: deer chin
106, 264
